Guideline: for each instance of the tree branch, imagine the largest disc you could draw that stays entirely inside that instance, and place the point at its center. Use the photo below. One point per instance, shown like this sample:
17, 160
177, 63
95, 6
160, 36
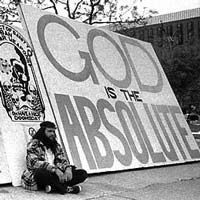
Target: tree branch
93, 5
54, 6
97, 3
68, 9
75, 9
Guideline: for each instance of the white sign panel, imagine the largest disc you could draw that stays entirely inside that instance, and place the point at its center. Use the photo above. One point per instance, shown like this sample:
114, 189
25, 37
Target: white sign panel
22, 106
113, 104
4, 169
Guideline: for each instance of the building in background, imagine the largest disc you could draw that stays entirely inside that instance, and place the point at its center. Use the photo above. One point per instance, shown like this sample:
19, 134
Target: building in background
169, 30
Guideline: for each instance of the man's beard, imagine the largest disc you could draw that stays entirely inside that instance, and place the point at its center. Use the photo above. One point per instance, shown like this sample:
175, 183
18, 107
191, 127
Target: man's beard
50, 143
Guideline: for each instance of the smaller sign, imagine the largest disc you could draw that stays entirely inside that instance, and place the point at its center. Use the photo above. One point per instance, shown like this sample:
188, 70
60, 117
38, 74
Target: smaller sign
19, 89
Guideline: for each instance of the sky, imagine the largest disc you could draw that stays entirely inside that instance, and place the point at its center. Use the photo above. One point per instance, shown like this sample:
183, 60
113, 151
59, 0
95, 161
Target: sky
166, 6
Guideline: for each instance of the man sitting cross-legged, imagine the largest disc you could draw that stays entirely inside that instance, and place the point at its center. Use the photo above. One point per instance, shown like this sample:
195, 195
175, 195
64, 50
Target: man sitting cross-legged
48, 168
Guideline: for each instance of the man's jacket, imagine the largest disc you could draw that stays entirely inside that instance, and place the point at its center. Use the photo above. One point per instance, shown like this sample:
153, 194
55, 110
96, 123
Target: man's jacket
35, 159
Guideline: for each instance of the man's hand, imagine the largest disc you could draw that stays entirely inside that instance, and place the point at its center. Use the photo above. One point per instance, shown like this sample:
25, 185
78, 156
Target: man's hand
68, 174
60, 175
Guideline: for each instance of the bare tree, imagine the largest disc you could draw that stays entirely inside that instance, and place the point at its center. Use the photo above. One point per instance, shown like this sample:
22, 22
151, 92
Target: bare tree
87, 11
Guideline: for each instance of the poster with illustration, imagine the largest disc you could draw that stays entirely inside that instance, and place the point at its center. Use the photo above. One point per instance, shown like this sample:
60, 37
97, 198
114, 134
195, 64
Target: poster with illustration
20, 94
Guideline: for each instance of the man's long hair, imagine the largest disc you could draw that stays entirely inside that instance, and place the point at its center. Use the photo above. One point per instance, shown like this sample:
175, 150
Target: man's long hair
40, 135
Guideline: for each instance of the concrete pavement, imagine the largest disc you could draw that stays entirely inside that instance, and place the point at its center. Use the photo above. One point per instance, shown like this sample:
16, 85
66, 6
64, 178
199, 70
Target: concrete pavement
161, 183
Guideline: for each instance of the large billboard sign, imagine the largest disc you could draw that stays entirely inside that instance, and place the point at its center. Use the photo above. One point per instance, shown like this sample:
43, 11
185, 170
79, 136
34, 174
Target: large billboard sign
111, 98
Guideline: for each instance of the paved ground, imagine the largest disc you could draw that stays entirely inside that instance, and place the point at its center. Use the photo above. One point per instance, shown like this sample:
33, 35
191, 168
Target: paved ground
179, 182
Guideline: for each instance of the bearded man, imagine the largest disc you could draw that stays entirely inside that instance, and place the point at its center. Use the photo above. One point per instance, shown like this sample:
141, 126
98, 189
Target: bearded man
48, 168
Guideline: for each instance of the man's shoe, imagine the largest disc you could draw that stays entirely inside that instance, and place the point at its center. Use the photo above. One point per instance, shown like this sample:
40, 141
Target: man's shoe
74, 189
48, 189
